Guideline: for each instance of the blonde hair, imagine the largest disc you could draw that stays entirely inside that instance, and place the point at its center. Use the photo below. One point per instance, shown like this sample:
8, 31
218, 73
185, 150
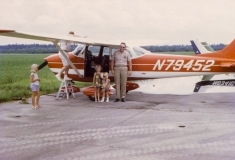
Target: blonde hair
105, 74
34, 68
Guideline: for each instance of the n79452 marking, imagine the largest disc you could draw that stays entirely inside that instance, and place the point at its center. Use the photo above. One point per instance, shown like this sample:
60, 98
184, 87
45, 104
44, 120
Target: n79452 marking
195, 65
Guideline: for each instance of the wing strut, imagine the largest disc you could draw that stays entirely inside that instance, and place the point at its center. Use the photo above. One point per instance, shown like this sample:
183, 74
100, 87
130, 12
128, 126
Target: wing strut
71, 64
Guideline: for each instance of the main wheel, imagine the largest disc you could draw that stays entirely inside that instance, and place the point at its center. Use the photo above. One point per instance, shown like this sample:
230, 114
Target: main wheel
92, 98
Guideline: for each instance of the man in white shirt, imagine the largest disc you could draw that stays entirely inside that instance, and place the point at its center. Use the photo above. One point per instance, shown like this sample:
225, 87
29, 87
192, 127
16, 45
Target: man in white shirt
65, 46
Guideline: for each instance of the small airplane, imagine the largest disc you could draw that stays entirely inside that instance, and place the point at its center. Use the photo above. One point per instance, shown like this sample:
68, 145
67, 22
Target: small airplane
145, 65
202, 48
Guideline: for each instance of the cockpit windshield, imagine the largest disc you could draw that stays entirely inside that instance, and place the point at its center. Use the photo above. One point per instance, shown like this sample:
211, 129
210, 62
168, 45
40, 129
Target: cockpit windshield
139, 51
78, 51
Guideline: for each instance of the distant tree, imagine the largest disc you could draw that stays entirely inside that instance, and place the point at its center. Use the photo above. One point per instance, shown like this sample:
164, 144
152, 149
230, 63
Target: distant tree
50, 48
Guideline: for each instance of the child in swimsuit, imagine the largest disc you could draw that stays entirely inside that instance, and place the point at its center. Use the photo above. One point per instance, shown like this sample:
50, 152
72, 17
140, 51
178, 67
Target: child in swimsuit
97, 82
105, 86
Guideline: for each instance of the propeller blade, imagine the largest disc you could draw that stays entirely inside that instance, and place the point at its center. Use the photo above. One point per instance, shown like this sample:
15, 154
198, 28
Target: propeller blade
42, 65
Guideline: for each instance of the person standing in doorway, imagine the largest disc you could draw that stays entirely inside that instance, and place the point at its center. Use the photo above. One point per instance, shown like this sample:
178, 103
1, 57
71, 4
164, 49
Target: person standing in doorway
119, 67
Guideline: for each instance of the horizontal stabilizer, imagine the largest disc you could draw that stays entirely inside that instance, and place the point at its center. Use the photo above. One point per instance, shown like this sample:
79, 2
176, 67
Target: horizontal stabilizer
224, 82
201, 47
227, 64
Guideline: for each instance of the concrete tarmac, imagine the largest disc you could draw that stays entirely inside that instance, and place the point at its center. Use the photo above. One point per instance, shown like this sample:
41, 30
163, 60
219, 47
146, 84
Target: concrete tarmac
147, 126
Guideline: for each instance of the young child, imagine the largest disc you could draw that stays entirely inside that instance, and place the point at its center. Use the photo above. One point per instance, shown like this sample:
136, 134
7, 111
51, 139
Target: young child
97, 82
106, 86
35, 86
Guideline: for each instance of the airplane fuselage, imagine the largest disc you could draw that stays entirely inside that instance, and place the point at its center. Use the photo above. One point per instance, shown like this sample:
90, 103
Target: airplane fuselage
152, 66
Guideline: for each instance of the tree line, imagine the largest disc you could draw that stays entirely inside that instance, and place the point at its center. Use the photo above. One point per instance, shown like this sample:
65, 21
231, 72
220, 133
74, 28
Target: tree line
50, 48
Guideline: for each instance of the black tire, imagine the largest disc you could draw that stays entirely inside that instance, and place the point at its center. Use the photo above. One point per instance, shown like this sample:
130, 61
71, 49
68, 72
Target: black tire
126, 91
92, 98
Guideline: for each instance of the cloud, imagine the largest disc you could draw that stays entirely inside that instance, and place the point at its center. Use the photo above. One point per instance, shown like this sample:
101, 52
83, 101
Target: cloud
174, 20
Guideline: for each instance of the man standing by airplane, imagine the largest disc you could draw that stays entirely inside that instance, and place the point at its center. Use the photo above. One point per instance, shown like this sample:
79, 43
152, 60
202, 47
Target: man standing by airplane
119, 67
65, 46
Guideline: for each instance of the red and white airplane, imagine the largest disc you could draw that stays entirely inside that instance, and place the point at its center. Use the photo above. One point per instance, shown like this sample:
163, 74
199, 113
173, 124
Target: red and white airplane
145, 65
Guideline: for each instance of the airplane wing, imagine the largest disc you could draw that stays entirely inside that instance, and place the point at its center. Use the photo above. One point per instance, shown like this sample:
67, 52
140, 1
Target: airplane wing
144, 42
56, 38
86, 41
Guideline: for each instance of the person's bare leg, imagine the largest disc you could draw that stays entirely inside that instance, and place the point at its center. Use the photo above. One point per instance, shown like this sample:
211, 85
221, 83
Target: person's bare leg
103, 95
58, 76
98, 98
66, 71
38, 98
33, 99
107, 96
95, 94
62, 70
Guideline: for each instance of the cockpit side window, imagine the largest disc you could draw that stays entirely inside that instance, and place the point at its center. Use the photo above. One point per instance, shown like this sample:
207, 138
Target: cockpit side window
79, 50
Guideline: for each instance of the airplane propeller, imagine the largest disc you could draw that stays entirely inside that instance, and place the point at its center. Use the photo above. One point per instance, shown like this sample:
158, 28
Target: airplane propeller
42, 65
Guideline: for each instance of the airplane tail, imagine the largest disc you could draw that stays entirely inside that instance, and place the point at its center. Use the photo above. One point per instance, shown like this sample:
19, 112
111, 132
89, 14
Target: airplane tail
201, 47
229, 51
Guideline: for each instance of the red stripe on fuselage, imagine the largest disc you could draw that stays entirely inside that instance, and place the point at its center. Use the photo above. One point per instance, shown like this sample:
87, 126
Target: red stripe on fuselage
55, 62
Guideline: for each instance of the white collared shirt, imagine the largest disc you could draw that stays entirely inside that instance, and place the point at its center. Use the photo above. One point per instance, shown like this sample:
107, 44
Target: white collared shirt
121, 58
65, 45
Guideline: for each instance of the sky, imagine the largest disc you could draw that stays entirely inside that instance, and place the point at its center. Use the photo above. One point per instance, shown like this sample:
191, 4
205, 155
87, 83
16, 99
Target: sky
177, 21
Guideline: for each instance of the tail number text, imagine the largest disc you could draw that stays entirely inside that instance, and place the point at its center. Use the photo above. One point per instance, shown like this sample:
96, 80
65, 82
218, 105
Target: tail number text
176, 65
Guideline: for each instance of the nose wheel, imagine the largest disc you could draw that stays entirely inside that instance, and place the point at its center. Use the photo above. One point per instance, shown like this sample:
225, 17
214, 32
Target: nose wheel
92, 98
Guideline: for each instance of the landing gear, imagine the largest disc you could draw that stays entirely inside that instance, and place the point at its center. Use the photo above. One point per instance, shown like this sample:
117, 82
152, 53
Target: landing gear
92, 98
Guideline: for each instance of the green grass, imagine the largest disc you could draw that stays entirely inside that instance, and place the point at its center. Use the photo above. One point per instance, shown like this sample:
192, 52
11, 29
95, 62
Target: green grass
15, 76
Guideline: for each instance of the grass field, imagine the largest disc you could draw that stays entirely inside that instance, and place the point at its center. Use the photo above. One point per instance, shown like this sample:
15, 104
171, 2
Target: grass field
15, 76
